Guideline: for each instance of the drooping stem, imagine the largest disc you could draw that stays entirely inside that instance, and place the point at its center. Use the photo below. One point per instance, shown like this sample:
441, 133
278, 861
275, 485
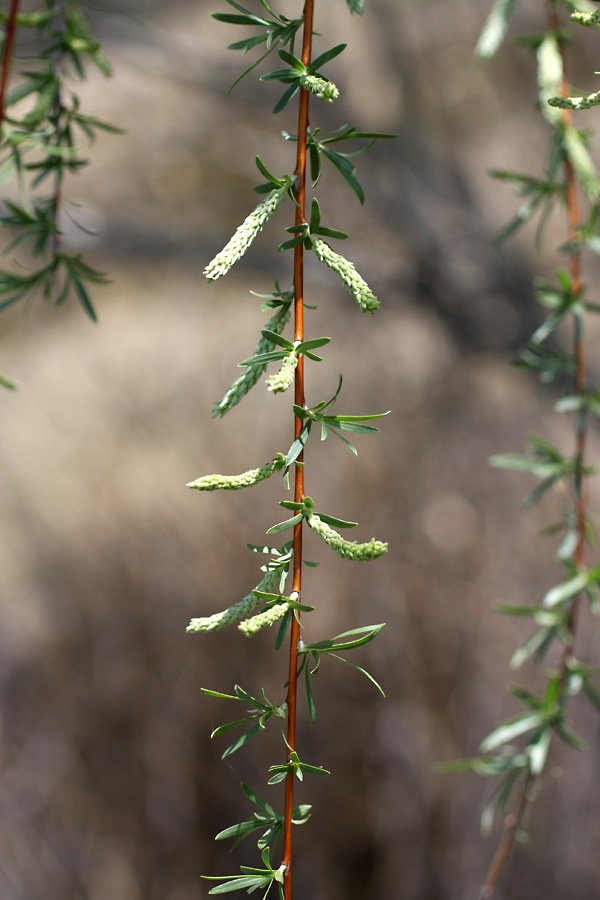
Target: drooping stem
513, 822
299, 400
574, 224
9, 41
58, 32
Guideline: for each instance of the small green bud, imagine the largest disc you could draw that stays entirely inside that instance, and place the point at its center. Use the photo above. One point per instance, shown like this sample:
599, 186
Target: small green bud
245, 234
357, 286
269, 583
347, 549
320, 87
237, 482
281, 380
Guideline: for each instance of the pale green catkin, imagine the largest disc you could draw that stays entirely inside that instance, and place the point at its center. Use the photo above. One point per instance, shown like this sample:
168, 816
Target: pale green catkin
357, 286
263, 620
238, 482
348, 549
251, 374
576, 102
245, 234
320, 87
269, 584
281, 380
586, 19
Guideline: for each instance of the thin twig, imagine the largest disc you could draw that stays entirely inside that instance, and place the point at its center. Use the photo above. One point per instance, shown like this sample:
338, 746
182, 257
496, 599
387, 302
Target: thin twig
9, 41
299, 399
59, 30
512, 823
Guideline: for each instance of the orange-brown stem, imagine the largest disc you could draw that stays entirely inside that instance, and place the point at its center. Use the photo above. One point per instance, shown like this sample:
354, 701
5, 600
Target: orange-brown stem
299, 399
574, 224
9, 42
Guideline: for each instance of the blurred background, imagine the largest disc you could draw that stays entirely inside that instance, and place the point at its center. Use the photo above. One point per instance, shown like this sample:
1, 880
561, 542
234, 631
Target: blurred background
110, 787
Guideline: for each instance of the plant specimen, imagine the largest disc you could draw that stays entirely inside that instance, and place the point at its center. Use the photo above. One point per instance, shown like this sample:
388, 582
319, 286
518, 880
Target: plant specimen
269, 603
42, 126
517, 750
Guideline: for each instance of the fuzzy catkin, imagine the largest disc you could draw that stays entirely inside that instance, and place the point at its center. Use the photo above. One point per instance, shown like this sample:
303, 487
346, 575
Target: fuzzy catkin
245, 234
576, 102
357, 286
281, 380
251, 374
347, 549
586, 19
320, 87
238, 482
269, 583
265, 619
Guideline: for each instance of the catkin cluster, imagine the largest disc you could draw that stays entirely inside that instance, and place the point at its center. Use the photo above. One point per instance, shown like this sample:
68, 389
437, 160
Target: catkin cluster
237, 482
357, 286
263, 620
243, 607
245, 234
251, 374
320, 87
281, 380
347, 549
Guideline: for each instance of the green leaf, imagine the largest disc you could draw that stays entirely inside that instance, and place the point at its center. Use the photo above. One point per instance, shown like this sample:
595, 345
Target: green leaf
293, 61
315, 216
275, 338
532, 645
495, 28
337, 523
83, 296
283, 627
312, 344
223, 728
511, 729
360, 669
356, 6
567, 589
582, 163
325, 58
218, 694
312, 710
258, 801
243, 739
266, 173
298, 445
8, 383
568, 735
282, 526
538, 752
286, 97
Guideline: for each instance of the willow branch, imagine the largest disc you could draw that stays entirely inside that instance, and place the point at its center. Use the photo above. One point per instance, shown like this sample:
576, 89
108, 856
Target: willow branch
299, 400
513, 822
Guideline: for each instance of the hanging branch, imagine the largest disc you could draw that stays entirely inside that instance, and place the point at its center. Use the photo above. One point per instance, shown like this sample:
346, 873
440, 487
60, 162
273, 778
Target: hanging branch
267, 604
42, 145
557, 615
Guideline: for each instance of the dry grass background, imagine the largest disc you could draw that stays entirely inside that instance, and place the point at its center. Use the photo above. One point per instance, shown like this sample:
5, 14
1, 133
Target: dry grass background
110, 788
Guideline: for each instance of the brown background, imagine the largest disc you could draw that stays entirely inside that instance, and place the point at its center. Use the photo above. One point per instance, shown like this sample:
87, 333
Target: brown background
110, 788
